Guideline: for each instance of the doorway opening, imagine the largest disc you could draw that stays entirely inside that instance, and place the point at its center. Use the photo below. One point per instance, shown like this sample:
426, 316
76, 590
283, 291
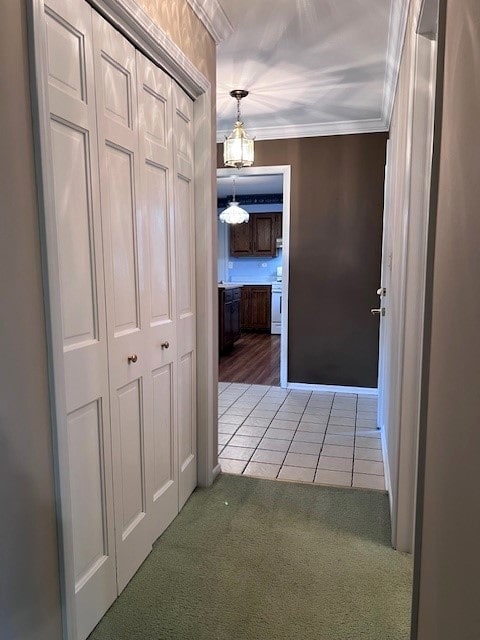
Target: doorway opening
253, 260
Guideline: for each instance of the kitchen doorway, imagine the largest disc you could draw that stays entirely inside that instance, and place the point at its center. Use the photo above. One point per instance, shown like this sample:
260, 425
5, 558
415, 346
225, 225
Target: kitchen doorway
253, 261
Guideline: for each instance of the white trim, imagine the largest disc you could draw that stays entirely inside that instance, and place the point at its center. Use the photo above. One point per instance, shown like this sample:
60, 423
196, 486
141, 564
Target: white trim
214, 18
419, 155
396, 38
137, 26
386, 469
332, 388
206, 292
285, 170
346, 127
53, 309
217, 471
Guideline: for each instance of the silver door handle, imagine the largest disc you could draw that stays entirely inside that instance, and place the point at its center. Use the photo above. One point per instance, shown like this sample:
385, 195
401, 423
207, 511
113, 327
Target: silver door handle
378, 312
382, 291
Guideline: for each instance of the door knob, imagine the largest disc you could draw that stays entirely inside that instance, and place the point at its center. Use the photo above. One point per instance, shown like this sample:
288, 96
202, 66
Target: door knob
165, 345
382, 291
132, 358
377, 312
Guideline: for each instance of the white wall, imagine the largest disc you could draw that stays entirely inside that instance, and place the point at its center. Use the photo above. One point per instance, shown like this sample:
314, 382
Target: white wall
407, 198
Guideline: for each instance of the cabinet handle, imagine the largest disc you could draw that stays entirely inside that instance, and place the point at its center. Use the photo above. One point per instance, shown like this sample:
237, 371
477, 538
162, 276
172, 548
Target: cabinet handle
132, 358
165, 345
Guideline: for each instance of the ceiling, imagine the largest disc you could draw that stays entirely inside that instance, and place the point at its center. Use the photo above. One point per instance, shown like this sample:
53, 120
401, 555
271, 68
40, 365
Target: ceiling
313, 67
250, 185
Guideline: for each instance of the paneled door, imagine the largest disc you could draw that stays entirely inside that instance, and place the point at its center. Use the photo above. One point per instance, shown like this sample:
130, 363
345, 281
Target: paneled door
127, 308
185, 291
156, 179
79, 246
122, 156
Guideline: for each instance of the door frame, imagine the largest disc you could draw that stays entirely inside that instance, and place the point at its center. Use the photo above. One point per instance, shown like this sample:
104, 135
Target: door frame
285, 171
399, 406
128, 18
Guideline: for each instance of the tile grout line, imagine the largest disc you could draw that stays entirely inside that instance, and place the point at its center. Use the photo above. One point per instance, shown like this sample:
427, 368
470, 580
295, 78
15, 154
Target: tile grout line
247, 462
325, 434
268, 427
230, 406
293, 436
354, 440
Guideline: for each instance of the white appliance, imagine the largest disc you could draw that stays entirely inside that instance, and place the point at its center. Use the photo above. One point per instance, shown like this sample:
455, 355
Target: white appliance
276, 308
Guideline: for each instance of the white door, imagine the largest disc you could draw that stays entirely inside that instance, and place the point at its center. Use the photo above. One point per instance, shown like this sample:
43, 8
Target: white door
156, 179
122, 153
185, 291
78, 224
385, 325
127, 309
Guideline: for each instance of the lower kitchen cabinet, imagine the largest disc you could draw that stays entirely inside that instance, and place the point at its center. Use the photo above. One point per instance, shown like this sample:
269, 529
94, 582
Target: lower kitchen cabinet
256, 307
228, 317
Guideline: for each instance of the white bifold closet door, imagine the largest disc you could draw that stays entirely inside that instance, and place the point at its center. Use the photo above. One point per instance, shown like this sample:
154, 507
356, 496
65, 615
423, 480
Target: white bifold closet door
185, 286
82, 291
122, 147
126, 293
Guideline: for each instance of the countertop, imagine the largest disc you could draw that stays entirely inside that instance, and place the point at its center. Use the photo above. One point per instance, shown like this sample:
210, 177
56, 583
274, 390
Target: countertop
229, 285
233, 285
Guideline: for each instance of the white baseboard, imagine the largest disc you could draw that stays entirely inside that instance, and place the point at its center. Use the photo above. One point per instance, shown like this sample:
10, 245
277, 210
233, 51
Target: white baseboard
361, 391
386, 467
216, 471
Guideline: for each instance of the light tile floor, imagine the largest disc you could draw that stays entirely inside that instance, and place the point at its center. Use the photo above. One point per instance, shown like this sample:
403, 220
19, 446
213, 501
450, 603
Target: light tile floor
323, 438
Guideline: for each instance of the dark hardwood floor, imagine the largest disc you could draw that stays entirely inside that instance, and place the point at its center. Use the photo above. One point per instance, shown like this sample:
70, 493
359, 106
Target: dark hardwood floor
255, 359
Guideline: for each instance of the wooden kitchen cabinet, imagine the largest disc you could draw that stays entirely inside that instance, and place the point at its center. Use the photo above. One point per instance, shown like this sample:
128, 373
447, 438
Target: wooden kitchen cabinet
256, 304
257, 237
228, 317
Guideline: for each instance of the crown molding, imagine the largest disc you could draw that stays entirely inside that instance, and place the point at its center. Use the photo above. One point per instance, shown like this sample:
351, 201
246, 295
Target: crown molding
213, 17
373, 125
134, 23
396, 38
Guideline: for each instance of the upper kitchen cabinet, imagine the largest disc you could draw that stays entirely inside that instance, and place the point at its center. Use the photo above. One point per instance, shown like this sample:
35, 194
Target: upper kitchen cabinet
257, 237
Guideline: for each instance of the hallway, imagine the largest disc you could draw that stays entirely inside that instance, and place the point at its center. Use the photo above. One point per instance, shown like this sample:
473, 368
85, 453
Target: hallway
251, 559
318, 437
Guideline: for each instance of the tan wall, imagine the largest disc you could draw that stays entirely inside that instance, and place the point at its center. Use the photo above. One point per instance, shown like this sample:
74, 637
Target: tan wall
29, 591
450, 556
181, 24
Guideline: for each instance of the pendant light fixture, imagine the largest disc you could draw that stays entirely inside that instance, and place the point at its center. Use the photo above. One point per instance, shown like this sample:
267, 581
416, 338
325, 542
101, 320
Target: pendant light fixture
234, 214
238, 147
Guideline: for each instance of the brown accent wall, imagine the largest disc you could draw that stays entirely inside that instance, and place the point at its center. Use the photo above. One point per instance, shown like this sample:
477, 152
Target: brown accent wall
335, 251
448, 555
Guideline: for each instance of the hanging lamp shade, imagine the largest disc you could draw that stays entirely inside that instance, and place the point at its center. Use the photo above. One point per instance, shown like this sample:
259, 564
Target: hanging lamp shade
238, 149
234, 214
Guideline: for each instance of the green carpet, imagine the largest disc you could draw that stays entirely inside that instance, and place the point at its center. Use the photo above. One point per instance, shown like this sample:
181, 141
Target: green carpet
252, 559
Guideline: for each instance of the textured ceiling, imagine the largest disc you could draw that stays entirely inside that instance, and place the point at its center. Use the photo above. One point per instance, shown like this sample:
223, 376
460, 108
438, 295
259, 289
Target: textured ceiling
312, 67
